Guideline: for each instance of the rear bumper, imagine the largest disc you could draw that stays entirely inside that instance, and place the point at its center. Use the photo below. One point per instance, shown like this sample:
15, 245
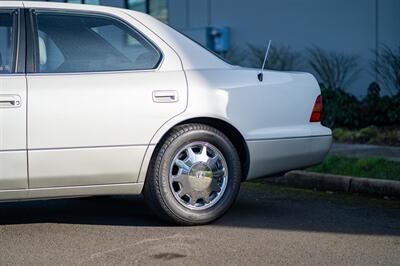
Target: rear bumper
273, 156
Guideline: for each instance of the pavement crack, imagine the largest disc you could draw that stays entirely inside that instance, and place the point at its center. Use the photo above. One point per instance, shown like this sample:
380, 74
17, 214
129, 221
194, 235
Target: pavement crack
143, 246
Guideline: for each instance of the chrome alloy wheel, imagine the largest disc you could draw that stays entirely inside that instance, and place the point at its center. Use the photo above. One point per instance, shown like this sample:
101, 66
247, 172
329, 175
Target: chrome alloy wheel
198, 175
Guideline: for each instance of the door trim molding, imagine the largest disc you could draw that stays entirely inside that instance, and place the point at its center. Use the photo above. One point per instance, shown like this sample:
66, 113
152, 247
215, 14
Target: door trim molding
72, 191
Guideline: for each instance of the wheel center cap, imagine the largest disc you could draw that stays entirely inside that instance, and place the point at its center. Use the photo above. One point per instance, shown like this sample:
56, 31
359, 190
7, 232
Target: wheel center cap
200, 176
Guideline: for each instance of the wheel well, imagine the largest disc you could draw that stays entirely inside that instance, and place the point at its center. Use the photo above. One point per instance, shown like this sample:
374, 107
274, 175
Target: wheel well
232, 133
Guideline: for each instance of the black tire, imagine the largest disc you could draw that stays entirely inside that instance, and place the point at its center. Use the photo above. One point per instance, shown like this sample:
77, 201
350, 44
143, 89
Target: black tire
157, 190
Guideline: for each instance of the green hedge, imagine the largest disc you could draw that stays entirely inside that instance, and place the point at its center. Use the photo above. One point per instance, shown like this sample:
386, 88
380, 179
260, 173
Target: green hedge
368, 135
344, 110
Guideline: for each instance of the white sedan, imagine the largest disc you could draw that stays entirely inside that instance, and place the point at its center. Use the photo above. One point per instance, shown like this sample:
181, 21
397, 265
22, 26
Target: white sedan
105, 101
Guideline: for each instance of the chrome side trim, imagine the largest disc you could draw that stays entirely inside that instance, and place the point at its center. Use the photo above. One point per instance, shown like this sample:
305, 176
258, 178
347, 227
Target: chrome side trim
92, 73
77, 191
88, 147
16, 150
289, 138
77, 148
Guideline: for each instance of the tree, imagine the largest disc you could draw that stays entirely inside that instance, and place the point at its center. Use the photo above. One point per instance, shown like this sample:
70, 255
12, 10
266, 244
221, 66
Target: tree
334, 70
387, 68
280, 57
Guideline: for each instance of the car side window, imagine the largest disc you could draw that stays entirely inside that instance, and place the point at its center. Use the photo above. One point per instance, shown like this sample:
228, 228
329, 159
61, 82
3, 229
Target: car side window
6, 42
69, 43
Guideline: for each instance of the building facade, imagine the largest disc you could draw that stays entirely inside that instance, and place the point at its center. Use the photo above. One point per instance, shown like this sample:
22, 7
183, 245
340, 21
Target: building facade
352, 27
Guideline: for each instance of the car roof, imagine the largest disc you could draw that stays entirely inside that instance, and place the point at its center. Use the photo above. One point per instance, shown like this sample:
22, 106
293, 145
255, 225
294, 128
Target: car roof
11, 4
56, 5
59, 5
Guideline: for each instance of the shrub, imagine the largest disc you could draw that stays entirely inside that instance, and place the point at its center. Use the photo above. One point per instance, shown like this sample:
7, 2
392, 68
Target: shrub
369, 135
388, 137
366, 134
380, 110
334, 70
343, 135
342, 109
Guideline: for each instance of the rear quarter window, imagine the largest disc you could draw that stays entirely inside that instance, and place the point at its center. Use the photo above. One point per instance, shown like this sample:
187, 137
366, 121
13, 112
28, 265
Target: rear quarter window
91, 43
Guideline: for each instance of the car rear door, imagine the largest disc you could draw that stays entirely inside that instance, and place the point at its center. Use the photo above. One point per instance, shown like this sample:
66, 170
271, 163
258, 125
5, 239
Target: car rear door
13, 154
99, 89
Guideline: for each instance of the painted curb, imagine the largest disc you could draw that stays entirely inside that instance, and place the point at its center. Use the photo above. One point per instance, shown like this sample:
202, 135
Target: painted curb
303, 179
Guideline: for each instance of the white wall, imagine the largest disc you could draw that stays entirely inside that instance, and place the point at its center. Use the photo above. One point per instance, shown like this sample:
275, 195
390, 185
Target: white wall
349, 26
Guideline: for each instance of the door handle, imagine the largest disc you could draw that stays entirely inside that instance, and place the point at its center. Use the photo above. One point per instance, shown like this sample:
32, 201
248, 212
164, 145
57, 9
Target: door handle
10, 101
165, 96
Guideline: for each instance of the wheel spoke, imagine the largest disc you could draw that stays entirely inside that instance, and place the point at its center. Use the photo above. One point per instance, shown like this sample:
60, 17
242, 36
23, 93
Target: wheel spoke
195, 196
185, 190
191, 201
212, 162
219, 173
182, 193
203, 157
207, 199
215, 187
179, 178
183, 166
191, 157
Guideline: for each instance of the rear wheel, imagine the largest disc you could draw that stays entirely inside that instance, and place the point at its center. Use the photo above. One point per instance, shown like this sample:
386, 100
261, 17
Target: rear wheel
194, 177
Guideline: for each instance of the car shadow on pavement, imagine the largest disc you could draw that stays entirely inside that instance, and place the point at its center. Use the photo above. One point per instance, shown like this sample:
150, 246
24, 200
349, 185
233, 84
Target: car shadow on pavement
253, 209
104, 210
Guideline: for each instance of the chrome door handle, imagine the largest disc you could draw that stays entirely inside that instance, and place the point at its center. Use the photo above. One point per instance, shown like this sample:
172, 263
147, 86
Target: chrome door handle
165, 96
10, 101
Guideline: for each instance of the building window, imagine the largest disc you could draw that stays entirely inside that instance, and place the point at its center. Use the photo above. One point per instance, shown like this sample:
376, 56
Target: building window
90, 2
138, 5
156, 8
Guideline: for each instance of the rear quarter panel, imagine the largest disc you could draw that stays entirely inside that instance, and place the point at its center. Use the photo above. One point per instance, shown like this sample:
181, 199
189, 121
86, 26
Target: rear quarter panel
278, 107
272, 116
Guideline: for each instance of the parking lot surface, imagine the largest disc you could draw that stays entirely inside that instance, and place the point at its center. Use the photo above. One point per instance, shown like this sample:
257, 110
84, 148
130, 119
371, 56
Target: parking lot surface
268, 225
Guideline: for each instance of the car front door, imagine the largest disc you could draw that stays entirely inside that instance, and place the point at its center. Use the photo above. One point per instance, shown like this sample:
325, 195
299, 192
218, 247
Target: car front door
13, 154
99, 90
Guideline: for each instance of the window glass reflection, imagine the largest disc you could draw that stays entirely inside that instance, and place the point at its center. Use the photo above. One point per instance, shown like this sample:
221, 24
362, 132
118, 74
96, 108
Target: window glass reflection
158, 9
138, 5
74, 1
92, 2
6, 43
79, 43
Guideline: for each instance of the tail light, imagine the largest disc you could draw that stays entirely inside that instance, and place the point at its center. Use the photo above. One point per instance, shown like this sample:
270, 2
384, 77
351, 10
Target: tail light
317, 110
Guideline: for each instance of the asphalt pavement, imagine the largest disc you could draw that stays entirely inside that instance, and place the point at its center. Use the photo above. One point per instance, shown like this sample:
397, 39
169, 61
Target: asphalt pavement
269, 225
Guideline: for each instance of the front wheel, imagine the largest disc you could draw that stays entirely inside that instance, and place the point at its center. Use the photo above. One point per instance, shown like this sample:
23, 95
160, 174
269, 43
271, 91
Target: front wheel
194, 177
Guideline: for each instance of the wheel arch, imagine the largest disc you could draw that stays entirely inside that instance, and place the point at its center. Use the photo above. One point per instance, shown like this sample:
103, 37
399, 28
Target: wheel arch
226, 128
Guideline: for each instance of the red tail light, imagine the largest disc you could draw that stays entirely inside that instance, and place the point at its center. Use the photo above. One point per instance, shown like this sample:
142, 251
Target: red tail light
317, 110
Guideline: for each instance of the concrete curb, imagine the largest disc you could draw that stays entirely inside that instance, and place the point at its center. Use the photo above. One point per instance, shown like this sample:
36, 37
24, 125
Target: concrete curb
303, 179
